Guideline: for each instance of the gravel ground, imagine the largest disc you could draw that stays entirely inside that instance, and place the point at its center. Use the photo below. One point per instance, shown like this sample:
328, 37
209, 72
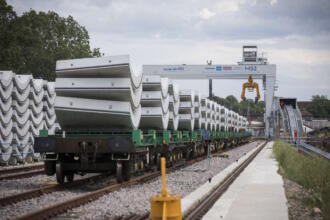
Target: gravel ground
14, 186
24, 207
298, 208
21, 208
135, 199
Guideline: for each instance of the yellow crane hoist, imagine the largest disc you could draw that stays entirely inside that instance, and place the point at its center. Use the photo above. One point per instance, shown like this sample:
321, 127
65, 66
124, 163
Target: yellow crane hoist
250, 85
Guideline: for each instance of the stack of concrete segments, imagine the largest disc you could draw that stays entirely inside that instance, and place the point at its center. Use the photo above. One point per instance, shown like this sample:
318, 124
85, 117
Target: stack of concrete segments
97, 94
36, 106
186, 110
223, 118
48, 107
197, 111
213, 115
36, 115
235, 121
217, 117
230, 120
6, 112
244, 122
174, 105
155, 103
204, 111
208, 115
22, 116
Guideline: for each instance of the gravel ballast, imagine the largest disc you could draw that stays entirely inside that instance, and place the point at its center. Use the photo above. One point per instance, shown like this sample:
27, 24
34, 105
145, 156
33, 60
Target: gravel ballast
135, 199
14, 186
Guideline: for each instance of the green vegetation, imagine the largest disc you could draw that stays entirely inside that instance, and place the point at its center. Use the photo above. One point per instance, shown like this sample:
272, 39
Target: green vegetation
319, 106
256, 109
312, 173
32, 43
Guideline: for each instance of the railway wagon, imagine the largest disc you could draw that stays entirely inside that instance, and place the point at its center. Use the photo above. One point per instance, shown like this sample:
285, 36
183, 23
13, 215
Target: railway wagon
126, 153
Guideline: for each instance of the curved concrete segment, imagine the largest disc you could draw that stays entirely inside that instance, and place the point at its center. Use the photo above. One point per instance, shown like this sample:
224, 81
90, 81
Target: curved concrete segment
116, 89
5, 154
5, 130
49, 87
6, 79
22, 82
173, 90
186, 122
156, 83
6, 117
21, 96
100, 67
173, 122
21, 119
36, 97
37, 85
5, 105
174, 105
155, 99
89, 114
154, 118
6, 92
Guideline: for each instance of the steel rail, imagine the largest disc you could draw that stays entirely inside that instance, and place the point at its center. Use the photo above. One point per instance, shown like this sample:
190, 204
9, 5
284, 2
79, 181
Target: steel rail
202, 208
62, 207
22, 175
307, 148
21, 169
12, 199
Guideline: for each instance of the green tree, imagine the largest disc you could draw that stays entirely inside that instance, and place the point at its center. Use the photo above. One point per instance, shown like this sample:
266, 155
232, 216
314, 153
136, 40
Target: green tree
7, 16
37, 39
319, 106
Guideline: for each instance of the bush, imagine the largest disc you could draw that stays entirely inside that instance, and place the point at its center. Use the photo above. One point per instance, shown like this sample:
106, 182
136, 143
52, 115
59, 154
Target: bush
312, 173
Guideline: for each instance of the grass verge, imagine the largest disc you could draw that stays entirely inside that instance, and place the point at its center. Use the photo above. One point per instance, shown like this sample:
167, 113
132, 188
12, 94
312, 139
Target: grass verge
312, 173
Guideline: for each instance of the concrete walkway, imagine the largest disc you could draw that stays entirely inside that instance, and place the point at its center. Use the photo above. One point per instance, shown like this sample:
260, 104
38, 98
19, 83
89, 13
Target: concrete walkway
256, 194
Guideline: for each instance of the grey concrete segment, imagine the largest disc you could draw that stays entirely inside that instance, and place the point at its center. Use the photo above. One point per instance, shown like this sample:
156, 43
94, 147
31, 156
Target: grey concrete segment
96, 114
173, 122
116, 89
100, 67
155, 99
22, 82
154, 118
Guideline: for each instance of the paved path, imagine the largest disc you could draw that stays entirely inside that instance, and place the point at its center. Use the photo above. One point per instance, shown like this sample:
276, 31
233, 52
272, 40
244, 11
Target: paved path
256, 194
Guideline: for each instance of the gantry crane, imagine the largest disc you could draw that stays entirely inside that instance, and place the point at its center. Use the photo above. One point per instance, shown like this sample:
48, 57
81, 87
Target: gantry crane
251, 64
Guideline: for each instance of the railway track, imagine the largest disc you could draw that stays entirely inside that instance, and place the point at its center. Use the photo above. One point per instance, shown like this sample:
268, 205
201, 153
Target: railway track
59, 208
198, 212
202, 208
62, 207
21, 172
12, 199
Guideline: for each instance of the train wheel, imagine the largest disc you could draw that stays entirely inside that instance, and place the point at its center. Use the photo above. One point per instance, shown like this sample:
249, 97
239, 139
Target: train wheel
158, 161
60, 172
128, 169
70, 177
119, 171
50, 167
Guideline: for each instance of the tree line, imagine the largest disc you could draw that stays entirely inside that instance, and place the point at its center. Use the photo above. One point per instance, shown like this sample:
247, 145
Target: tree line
31, 43
242, 107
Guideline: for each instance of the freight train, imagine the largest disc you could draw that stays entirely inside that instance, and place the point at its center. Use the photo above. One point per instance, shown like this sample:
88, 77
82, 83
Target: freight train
114, 121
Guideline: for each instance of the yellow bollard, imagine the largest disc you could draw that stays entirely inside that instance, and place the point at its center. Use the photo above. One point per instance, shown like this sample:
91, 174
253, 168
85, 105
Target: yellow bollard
164, 206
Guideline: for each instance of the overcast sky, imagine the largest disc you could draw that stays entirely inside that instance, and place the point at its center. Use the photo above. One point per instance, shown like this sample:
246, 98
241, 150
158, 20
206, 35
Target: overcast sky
295, 34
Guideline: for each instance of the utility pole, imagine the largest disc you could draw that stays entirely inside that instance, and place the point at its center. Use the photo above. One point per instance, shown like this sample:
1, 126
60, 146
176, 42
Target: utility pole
209, 62
210, 89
